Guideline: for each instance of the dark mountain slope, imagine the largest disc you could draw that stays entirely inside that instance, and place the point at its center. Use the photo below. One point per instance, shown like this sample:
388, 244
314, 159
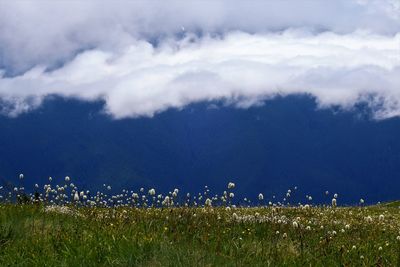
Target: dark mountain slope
284, 143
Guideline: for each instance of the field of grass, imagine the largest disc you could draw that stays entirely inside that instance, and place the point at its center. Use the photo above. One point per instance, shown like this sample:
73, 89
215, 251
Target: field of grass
39, 235
59, 225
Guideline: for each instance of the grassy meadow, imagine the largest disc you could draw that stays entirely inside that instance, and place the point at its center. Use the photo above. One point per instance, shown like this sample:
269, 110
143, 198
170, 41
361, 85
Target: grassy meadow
58, 225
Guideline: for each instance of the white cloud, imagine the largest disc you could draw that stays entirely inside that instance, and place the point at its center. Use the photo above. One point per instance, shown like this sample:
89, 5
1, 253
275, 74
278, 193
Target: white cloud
341, 52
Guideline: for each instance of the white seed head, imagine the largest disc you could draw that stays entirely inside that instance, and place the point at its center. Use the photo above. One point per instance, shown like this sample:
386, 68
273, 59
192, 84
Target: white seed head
334, 202
76, 196
152, 192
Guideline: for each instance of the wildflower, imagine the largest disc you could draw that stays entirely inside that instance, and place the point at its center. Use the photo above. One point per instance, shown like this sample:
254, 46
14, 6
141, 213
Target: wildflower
21, 176
260, 196
108, 187
380, 248
231, 195
231, 185
166, 201
308, 228
152, 192
67, 179
284, 235
295, 224
398, 238
368, 219
76, 196
277, 232
361, 201
235, 216
333, 202
347, 226
353, 247
381, 217
36, 186
326, 192
208, 202
335, 195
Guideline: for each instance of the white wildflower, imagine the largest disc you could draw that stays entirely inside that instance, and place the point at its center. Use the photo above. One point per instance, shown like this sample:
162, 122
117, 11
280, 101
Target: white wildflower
333, 202
76, 196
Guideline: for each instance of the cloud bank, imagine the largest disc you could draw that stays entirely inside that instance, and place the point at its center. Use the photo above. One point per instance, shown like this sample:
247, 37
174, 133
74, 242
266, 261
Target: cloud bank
144, 57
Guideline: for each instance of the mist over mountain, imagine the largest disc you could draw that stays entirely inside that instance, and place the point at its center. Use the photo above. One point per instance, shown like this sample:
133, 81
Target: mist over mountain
282, 143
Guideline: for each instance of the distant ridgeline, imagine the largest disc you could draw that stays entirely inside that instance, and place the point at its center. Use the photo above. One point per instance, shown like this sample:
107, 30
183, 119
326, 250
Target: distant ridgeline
284, 143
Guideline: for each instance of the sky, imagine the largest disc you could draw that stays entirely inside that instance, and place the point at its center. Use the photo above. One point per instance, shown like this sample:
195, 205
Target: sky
144, 57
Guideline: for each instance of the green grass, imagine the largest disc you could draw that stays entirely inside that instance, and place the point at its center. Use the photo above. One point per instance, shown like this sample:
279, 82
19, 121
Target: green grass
29, 236
392, 204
